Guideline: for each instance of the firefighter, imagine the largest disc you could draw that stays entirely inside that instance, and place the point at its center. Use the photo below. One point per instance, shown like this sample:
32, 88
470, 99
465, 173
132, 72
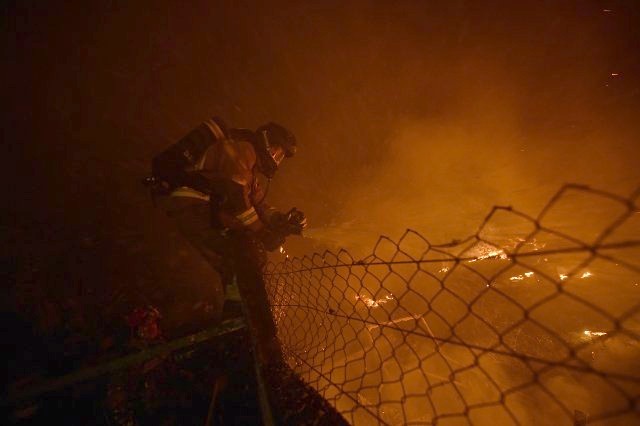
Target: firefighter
217, 201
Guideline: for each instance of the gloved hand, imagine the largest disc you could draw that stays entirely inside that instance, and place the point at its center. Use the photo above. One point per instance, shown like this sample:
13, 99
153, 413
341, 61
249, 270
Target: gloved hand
297, 221
292, 222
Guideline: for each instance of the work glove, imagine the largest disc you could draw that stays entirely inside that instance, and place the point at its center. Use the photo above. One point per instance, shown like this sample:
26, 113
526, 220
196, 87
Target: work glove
297, 221
292, 222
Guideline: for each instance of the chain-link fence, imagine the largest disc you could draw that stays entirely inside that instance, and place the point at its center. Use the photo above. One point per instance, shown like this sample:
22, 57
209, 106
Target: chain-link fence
532, 320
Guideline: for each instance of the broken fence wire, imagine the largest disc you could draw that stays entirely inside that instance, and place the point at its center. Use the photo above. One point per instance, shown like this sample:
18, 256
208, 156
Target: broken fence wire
531, 320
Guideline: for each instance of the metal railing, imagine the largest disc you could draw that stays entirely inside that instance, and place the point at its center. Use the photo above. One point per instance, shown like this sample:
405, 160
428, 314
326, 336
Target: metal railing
532, 320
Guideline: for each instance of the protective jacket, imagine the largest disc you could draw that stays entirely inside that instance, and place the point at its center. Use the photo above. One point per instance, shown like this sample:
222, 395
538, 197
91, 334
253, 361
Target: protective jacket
218, 165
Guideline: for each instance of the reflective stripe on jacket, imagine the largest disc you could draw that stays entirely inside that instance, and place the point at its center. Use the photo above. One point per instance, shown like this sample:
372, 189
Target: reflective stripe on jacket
229, 165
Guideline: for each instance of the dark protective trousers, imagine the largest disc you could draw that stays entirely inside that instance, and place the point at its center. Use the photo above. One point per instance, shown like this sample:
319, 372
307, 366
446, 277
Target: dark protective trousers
236, 255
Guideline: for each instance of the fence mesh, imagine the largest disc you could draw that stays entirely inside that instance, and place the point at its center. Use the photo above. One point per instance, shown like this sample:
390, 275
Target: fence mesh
532, 320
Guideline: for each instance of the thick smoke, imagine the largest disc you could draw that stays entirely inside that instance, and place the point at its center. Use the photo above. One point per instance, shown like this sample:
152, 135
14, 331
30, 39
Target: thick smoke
409, 114
426, 125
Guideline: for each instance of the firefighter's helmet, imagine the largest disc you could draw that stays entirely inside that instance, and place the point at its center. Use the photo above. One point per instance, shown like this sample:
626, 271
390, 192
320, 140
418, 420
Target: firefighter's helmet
273, 143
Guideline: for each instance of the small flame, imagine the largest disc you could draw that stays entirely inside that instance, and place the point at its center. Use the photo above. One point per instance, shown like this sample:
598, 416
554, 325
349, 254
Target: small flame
590, 333
483, 251
495, 253
374, 303
533, 243
521, 276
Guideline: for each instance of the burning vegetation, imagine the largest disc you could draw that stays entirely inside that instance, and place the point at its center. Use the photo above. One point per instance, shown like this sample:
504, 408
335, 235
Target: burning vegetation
521, 323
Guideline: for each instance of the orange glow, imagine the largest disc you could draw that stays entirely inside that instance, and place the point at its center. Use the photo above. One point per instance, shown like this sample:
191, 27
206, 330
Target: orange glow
594, 333
374, 303
522, 276
484, 251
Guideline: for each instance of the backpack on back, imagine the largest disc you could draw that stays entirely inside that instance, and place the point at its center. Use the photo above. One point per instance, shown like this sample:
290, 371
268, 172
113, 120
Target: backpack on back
178, 165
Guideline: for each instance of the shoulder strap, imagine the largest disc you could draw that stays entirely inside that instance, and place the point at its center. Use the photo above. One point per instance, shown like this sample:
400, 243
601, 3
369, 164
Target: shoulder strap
220, 133
217, 127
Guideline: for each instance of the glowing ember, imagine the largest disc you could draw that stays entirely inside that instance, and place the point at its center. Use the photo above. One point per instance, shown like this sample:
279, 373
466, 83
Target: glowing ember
522, 276
615, 74
486, 251
536, 245
283, 251
594, 333
495, 253
374, 303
